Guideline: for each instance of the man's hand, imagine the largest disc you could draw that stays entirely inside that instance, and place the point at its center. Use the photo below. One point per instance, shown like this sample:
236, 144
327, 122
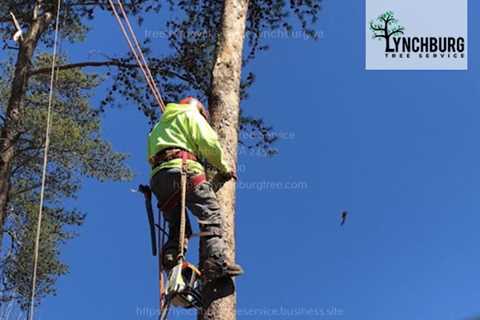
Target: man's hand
220, 178
229, 175
233, 173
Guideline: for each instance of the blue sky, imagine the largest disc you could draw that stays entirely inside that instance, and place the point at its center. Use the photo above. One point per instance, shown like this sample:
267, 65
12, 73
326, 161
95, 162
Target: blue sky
399, 150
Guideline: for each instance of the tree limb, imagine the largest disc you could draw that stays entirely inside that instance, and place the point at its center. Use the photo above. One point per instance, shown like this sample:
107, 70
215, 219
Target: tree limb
108, 63
84, 65
33, 187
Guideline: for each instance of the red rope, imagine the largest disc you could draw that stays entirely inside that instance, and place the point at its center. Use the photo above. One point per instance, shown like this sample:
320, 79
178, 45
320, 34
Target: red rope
137, 52
139, 49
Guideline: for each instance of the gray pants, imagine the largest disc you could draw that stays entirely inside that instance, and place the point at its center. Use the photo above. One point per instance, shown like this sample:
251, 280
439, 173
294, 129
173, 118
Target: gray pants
201, 201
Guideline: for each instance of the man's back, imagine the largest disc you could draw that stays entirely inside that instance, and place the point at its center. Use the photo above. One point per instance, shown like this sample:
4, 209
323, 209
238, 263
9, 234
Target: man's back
182, 126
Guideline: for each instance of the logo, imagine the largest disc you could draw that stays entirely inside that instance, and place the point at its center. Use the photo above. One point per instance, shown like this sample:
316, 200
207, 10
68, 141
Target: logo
423, 41
386, 27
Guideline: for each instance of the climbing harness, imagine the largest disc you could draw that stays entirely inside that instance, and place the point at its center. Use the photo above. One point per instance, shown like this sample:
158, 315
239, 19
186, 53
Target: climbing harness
168, 154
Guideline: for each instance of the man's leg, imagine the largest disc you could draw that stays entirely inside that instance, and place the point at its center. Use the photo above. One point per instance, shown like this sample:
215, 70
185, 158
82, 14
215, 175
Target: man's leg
164, 184
170, 249
203, 203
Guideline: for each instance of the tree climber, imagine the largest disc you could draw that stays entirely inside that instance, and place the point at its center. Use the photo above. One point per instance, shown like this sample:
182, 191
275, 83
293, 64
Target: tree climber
182, 137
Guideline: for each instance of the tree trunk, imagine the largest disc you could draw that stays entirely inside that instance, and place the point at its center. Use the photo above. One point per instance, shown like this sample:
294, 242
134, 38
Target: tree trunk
9, 132
224, 107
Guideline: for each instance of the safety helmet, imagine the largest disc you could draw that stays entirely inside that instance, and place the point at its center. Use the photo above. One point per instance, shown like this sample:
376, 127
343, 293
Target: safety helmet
195, 102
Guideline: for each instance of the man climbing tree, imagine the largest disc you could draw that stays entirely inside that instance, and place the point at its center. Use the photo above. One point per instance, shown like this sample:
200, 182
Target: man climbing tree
212, 67
176, 143
209, 66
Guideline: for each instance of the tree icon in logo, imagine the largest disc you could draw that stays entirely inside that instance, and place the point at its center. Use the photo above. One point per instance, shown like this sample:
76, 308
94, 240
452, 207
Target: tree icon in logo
386, 26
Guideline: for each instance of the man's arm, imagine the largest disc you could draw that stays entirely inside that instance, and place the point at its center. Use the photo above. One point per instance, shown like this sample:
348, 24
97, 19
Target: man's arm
206, 140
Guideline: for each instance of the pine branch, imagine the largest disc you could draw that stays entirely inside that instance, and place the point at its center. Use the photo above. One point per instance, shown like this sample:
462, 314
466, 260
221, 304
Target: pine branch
109, 63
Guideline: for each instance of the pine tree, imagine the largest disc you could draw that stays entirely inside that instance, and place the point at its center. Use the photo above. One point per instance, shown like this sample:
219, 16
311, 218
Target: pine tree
77, 150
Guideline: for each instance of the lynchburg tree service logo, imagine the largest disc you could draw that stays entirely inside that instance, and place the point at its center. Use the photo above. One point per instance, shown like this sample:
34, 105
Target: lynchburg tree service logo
399, 46
416, 35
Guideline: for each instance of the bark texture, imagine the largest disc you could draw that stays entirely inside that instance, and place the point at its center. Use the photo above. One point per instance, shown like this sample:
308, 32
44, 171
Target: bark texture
224, 106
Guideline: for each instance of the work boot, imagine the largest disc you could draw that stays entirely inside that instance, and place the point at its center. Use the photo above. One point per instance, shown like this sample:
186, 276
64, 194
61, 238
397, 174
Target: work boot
234, 270
217, 267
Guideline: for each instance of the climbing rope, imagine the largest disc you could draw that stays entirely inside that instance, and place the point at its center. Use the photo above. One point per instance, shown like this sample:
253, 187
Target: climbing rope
45, 163
183, 213
140, 58
136, 50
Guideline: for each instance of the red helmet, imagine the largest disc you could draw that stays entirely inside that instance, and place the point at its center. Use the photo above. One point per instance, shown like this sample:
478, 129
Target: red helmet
194, 101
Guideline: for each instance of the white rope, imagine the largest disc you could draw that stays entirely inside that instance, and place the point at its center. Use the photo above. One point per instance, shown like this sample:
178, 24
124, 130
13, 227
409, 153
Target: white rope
45, 163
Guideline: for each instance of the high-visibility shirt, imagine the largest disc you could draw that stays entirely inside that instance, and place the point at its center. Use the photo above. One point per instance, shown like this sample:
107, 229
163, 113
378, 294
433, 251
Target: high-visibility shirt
183, 126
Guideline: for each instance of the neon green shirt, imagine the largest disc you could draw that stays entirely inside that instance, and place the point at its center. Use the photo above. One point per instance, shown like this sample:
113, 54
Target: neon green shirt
184, 127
